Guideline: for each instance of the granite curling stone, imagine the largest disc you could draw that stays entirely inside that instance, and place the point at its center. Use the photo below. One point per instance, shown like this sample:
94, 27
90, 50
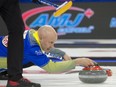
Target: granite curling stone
94, 74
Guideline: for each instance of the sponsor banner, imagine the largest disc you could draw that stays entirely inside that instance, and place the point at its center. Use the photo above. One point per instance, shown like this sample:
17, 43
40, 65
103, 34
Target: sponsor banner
92, 20
82, 21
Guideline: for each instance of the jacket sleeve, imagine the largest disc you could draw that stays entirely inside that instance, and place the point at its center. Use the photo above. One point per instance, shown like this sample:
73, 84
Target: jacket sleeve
59, 67
3, 62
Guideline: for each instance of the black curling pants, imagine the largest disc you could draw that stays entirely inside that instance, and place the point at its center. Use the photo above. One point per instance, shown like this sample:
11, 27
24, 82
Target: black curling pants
11, 14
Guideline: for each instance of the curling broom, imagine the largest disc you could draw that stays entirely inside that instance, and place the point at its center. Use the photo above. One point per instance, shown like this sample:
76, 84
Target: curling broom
60, 9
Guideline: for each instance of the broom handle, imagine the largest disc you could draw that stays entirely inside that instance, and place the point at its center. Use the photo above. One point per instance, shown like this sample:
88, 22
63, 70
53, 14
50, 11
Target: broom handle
48, 3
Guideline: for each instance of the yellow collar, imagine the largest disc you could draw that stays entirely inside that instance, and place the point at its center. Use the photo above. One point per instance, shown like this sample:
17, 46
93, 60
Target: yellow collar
36, 36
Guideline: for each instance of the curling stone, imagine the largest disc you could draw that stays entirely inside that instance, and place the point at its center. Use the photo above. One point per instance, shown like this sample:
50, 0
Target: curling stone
94, 74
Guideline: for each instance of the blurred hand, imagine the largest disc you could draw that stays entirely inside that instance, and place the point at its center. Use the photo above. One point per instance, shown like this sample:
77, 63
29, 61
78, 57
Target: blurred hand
84, 62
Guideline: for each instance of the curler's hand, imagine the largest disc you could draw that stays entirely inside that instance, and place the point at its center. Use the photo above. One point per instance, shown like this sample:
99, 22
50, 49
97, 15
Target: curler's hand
84, 62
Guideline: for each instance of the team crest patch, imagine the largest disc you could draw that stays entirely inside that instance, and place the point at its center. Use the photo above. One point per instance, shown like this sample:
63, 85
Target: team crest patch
5, 41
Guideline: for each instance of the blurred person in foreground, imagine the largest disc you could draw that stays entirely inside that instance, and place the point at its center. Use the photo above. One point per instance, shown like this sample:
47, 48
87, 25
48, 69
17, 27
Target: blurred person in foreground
11, 15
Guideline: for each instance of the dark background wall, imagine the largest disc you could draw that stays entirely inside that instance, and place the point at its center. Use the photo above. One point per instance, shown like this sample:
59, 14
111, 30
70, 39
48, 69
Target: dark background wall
74, 0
